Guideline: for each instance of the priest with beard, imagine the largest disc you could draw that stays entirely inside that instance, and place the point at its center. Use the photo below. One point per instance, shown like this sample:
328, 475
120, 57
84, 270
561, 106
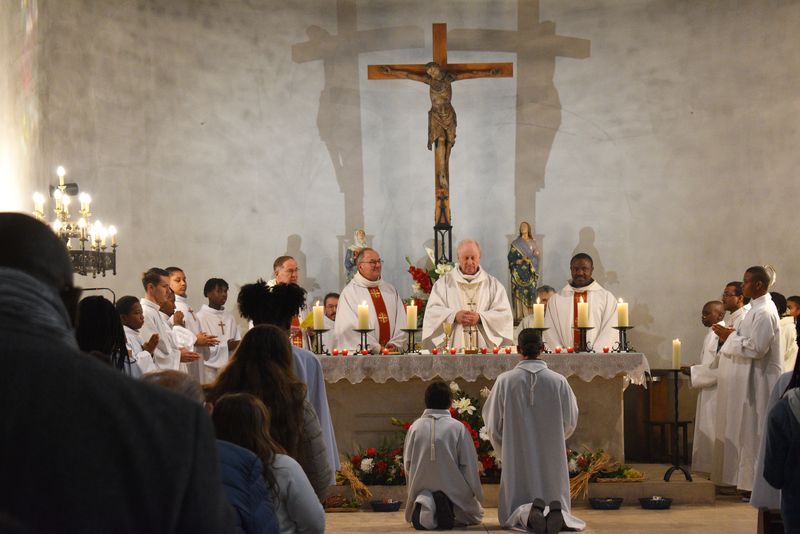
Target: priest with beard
471, 300
561, 317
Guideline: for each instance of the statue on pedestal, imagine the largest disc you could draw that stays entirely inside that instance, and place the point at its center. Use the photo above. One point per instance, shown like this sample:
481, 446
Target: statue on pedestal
523, 263
350, 255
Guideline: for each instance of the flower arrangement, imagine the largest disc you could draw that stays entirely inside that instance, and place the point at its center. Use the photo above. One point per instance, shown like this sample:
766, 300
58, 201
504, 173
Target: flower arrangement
381, 466
591, 466
424, 279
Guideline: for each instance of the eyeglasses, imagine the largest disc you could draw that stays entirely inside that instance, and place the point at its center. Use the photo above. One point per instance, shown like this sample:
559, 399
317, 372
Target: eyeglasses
729, 295
373, 263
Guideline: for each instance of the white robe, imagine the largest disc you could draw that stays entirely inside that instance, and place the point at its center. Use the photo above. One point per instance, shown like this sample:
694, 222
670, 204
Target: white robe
167, 354
735, 318
190, 323
789, 335
755, 358
602, 317
353, 294
309, 370
704, 378
764, 495
142, 358
496, 327
438, 455
529, 414
216, 357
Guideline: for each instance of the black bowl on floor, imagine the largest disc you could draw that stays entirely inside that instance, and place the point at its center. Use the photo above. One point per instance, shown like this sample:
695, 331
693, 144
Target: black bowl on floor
655, 503
605, 503
383, 506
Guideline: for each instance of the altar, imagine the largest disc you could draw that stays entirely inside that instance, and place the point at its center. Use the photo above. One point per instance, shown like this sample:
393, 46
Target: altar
365, 392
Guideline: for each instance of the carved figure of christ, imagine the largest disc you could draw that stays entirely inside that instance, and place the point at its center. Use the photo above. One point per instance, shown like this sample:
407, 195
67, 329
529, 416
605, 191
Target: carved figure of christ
440, 75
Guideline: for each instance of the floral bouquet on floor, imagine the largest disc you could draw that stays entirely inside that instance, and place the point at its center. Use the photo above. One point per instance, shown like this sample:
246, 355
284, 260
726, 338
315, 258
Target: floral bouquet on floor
424, 279
597, 466
381, 466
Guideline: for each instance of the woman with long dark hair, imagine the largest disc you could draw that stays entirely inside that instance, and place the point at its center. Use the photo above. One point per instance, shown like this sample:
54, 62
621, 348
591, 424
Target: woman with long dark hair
262, 366
99, 332
242, 419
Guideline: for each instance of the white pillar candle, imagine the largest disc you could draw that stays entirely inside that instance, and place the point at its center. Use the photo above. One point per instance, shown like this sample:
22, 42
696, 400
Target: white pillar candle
411, 315
622, 313
538, 314
676, 353
583, 314
319, 316
363, 316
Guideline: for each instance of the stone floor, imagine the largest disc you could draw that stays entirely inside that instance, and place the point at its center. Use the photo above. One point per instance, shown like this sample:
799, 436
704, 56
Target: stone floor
727, 516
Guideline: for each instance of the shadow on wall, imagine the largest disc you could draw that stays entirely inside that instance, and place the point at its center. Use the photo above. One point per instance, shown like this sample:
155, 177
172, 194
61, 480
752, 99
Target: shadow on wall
339, 115
293, 249
538, 106
585, 244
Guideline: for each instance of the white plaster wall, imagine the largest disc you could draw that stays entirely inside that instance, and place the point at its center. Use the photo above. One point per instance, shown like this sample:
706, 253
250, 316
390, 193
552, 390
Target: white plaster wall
202, 136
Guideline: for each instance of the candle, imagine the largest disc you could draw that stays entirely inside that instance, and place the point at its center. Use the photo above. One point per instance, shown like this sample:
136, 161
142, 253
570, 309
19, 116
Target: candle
495, 350
38, 203
453, 350
319, 316
606, 349
583, 314
411, 315
676, 353
570, 350
483, 350
61, 173
538, 314
65, 203
363, 316
434, 350
622, 313
345, 351
508, 350
335, 352
112, 231
557, 350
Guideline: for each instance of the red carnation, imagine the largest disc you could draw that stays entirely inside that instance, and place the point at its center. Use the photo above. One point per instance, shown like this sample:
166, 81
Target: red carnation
356, 461
406, 425
487, 461
453, 413
381, 467
371, 451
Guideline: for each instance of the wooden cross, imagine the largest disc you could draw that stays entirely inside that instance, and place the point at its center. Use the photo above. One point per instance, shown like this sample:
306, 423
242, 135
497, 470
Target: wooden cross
441, 109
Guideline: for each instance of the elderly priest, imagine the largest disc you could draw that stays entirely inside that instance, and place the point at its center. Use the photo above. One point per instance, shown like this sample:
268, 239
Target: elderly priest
473, 301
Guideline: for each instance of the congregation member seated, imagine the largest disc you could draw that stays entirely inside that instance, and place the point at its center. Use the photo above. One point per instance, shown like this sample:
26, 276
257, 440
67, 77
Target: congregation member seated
561, 318
529, 414
471, 300
100, 333
387, 314
220, 323
277, 305
243, 419
262, 366
243, 474
132, 317
444, 489
83, 448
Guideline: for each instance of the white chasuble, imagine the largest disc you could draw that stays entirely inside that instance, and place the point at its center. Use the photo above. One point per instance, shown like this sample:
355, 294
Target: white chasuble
755, 361
560, 317
529, 414
452, 293
357, 292
704, 378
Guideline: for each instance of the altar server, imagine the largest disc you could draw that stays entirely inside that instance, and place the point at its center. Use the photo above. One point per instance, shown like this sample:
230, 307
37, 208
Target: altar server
704, 377
736, 304
215, 320
386, 313
179, 284
561, 316
276, 305
756, 361
788, 331
470, 299
167, 355
441, 465
529, 414
132, 317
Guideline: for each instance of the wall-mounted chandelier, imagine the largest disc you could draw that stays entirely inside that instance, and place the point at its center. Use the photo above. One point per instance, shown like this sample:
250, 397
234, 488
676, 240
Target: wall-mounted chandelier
88, 242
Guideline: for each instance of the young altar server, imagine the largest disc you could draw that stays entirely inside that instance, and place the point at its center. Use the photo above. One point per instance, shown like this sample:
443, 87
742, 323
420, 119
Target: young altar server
529, 414
132, 317
444, 489
704, 377
219, 323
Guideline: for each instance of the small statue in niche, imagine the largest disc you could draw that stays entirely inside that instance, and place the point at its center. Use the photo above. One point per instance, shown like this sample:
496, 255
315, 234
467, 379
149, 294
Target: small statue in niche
523, 262
350, 255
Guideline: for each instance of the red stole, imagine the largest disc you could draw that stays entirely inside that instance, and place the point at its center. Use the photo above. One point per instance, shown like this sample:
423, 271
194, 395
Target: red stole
577, 296
383, 315
297, 334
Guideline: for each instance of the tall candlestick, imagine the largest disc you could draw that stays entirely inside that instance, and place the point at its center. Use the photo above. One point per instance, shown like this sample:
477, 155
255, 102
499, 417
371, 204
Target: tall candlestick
411, 315
676, 353
319, 316
363, 316
583, 314
622, 313
538, 314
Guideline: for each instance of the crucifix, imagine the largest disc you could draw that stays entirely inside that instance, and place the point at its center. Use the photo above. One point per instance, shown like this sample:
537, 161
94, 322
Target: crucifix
222, 325
439, 75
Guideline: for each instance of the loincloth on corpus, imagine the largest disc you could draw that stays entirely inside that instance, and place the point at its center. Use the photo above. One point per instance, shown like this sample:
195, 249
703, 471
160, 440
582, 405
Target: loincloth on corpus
442, 124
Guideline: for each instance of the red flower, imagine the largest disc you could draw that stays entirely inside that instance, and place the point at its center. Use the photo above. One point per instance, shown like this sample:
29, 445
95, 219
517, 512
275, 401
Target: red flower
453, 413
406, 425
356, 461
381, 467
487, 461
477, 445
397, 452
371, 451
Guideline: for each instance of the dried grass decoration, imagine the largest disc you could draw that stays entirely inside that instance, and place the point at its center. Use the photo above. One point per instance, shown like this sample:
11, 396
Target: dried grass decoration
579, 484
346, 474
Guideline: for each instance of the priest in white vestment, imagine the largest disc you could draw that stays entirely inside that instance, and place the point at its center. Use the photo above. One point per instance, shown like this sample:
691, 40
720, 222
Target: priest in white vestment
386, 312
439, 455
561, 317
168, 354
755, 357
472, 301
529, 414
704, 377
220, 323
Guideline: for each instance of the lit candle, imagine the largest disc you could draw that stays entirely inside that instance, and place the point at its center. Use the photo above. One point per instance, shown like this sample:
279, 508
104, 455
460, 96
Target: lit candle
622, 313
57, 196
411, 315
112, 231
61, 172
583, 314
85, 201
676, 353
38, 203
82, 226
319, 317
65, 201
363, 316
538, 314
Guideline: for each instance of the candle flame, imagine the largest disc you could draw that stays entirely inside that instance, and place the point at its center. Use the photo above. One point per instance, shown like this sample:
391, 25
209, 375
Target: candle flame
61, 172
317, 304
621, 301
363, 302
582, 301
537, 300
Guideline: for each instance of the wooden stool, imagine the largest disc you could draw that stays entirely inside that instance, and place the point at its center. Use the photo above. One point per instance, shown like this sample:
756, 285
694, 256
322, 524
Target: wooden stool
666, 428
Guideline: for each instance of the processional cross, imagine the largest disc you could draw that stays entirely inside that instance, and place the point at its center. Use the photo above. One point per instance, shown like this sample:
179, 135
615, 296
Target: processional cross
439, 75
